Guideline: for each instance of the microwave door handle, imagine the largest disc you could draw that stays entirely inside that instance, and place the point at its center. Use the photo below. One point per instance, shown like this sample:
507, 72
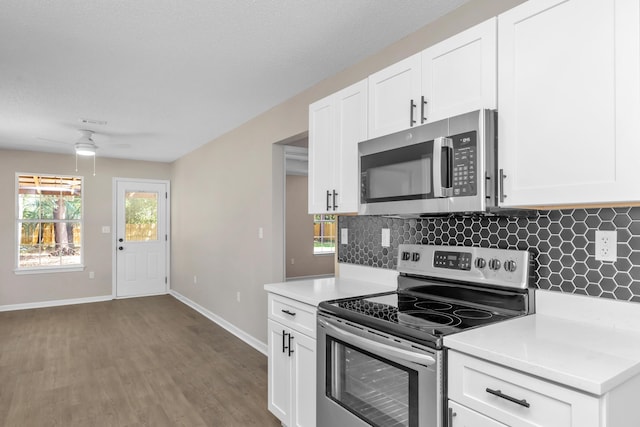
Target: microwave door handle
438, 189
378, 348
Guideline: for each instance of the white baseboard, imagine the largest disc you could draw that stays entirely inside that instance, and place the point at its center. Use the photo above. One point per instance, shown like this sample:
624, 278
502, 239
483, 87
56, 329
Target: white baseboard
55, 303
258, 345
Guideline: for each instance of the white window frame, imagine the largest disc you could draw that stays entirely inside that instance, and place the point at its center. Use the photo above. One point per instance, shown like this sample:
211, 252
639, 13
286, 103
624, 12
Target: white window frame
46, 269
335, 221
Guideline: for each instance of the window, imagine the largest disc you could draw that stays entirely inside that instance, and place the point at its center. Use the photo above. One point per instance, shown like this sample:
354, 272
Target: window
49, 222
324, 234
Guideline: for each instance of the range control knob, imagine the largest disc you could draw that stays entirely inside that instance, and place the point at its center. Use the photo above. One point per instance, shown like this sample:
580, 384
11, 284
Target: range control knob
415, 256
510, 266
494, 264
406, 256
481, 263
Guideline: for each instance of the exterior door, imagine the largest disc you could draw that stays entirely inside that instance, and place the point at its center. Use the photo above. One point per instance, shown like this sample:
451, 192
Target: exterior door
141, 237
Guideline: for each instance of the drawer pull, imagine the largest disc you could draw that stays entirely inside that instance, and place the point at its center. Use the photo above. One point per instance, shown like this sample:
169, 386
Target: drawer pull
290, 313
501, 395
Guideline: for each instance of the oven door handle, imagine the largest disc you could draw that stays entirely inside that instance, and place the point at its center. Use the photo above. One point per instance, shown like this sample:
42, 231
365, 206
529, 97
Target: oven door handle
377, 347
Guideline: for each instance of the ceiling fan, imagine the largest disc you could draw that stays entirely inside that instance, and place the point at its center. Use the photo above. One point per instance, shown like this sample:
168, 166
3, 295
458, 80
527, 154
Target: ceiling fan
85, 146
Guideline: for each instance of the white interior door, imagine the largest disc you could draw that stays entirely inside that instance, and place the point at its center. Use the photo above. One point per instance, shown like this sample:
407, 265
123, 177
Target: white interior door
141, 238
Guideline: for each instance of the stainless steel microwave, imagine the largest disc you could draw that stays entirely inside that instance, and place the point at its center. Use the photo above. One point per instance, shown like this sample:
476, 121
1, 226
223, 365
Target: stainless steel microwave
444, 167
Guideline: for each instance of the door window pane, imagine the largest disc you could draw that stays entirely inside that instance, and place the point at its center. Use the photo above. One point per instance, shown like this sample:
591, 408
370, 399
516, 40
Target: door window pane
141, 216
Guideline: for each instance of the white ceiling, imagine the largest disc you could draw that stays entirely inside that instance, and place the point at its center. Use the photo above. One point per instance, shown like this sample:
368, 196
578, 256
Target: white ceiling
171, 75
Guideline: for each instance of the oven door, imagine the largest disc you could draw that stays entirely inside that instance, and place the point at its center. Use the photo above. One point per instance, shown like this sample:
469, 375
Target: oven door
366, 378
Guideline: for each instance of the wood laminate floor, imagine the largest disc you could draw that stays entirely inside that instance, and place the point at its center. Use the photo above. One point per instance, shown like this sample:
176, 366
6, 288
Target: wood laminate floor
134, 362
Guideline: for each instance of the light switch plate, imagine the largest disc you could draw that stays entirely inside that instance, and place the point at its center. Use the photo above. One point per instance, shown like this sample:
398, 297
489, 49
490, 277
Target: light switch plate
106, 229
386, 237
344, 236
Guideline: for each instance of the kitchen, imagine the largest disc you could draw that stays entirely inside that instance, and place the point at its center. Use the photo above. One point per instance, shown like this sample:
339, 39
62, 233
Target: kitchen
520, 372
250, 145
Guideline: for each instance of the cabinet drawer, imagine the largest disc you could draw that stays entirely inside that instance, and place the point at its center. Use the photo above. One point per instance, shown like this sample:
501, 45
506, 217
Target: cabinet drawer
517, 399
293, 314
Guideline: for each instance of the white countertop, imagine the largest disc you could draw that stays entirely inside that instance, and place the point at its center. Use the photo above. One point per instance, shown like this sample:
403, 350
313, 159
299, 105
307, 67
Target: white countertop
594, 357
313, 291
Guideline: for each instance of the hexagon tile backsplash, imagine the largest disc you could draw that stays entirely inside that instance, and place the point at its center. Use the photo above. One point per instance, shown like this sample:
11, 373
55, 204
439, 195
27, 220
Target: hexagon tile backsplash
561, 243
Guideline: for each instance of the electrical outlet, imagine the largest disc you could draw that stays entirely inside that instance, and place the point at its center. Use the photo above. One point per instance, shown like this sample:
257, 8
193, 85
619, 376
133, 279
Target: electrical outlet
195, 279
92, 275
238, 296
386, 237
344, 236
606, 245
293, 261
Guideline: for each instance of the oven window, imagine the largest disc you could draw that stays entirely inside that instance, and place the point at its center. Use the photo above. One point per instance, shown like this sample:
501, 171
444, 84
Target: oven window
381, 392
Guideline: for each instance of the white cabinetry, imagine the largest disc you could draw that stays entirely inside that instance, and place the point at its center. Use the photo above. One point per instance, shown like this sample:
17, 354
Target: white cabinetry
459, 416
453, 77
336, 124
394, 97
292, 361
569, 102
517, 399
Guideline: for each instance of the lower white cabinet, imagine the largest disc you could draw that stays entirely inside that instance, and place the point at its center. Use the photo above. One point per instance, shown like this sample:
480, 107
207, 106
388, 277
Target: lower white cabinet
292, 364
482, 394
459, 416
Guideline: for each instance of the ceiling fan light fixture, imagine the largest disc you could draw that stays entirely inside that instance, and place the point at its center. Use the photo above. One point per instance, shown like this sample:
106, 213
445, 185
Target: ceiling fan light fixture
85, 149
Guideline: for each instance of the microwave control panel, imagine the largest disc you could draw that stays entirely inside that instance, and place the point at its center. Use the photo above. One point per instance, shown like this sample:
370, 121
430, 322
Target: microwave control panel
465, 162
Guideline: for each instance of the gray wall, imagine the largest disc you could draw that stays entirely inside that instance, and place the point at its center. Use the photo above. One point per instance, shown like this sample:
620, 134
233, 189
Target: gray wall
36, 288
223, 192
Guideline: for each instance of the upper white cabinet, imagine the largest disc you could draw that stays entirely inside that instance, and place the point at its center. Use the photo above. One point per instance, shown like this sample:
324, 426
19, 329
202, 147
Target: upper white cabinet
459, 74
569, 102
394, 97
336, 124
453, 77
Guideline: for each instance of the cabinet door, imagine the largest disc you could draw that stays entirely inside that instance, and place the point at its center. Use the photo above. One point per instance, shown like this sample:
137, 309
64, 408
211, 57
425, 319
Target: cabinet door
321, 153
391, 94
460, 416
351, 128
304, 380
568, 101
279, 371
459, 74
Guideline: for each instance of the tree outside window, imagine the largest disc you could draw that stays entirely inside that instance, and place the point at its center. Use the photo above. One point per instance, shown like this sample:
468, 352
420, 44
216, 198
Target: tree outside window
324, 234
49, 221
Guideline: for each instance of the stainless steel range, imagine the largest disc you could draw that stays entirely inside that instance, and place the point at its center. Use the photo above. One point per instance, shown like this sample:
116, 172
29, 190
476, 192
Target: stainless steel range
381, 360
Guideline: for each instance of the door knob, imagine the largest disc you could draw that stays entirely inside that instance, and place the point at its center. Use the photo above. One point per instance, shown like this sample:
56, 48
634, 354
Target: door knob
121, 248
121, 240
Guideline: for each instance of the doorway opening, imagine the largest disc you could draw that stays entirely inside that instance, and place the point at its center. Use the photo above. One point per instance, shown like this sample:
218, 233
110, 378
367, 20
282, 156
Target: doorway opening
307, 238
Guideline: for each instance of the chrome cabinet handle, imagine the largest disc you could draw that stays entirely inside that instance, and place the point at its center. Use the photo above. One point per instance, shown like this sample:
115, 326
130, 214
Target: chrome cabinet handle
500, 394
422, 108
328, 203
290, 313
334, 200
284, 346
451, 415
290, 348
412, 106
